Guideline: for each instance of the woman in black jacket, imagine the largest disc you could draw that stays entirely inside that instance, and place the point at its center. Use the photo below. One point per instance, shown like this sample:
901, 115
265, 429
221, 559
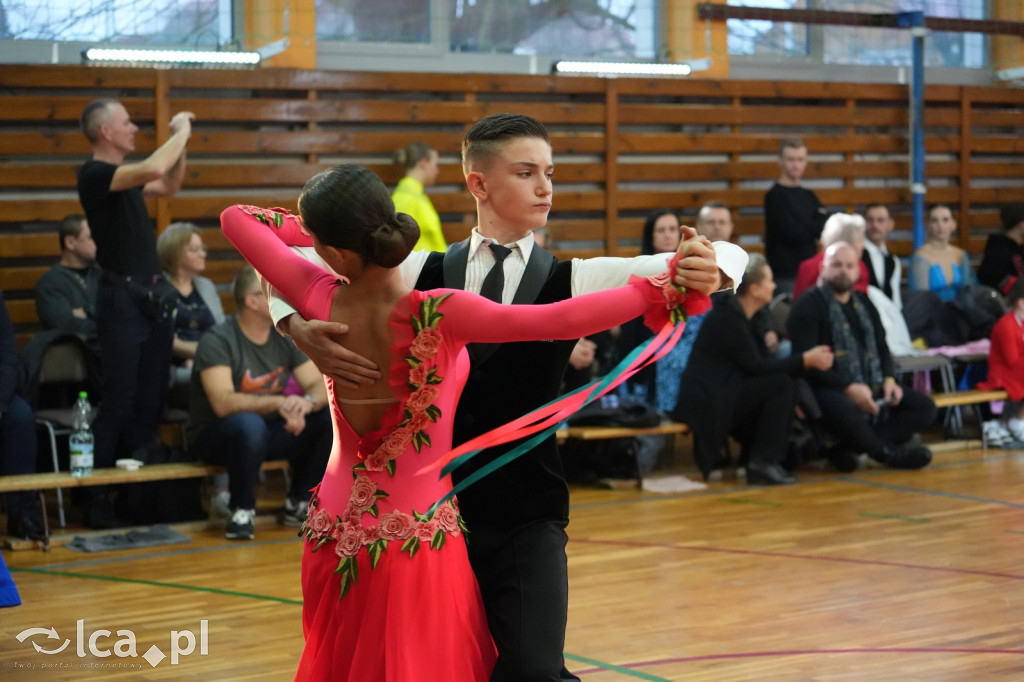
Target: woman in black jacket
730, 387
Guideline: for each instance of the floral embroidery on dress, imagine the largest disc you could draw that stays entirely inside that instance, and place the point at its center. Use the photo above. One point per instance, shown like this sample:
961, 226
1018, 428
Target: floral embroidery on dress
351, 536
273, 217
419, 411
412, 530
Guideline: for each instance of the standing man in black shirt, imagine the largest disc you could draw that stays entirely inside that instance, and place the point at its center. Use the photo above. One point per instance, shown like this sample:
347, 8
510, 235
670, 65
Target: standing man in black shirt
134, 336
793, 217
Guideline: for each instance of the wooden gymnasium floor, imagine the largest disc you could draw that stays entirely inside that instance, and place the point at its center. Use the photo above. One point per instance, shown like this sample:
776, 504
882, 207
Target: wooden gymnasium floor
879, 575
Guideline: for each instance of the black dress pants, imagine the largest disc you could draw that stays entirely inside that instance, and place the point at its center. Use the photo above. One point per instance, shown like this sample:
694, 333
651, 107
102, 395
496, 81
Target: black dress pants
524, 583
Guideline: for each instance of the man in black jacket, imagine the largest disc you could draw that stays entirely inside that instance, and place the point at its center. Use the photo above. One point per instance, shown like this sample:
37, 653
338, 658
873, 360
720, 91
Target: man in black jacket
861, 403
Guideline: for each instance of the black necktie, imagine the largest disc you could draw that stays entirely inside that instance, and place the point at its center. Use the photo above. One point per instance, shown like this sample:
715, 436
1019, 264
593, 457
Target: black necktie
494, 282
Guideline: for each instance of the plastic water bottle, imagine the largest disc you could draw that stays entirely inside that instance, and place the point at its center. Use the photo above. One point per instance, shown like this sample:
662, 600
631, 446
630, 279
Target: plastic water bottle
81, 437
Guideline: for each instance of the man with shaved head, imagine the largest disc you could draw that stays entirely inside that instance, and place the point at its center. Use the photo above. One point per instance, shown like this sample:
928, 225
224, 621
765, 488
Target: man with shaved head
861, 403
133, 329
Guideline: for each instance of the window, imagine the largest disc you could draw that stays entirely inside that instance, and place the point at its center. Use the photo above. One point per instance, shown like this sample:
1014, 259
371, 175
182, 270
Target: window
860, 46
395, 21
892, 47
194, 23
588, 28
768, 38
582, 28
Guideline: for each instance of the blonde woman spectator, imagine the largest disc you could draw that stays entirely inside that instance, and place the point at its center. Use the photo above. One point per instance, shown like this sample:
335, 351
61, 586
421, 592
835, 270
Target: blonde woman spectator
182, 257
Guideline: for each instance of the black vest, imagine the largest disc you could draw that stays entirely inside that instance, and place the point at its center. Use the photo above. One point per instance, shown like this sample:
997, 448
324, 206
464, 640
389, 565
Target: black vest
505, 382
890, 267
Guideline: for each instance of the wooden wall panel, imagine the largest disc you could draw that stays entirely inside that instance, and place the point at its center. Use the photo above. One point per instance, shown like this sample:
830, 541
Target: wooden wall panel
622, 147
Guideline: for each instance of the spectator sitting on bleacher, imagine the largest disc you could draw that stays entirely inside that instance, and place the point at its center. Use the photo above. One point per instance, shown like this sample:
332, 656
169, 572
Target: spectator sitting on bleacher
884, 269
861, 403
731, 387
182, 257
658, 386
66, 293
1006, 371
840, 227
1003, 261
937, 265
660, 235
239, 416
17, 435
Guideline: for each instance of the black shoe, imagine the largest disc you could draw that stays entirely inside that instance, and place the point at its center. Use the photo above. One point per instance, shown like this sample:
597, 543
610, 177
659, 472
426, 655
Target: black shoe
25, 526
767, 473
842, 459
100, 515
897, 457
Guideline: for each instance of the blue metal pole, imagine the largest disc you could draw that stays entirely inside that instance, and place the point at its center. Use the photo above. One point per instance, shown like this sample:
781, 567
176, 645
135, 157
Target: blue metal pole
915, 21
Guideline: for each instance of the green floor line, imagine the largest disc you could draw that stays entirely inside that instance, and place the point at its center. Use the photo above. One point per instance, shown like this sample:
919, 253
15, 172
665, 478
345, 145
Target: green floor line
194, 588
895, 517
280, 600
618, 669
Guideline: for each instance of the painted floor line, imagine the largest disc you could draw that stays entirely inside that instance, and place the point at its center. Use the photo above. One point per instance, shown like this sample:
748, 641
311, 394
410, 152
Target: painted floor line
802, 557
803, 652
935, 493
859, 478
600, 666
154, 583
169, 553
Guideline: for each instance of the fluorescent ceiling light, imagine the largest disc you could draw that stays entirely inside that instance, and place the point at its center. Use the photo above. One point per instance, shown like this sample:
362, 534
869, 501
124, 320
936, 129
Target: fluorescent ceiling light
622, 68
171, 56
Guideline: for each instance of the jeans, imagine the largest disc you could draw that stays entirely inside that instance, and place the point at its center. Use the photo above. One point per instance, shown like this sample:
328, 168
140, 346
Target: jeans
242, 442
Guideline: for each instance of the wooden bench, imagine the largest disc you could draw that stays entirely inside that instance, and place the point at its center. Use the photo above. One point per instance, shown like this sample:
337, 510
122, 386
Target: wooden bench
974, 397
604, 432
114, 476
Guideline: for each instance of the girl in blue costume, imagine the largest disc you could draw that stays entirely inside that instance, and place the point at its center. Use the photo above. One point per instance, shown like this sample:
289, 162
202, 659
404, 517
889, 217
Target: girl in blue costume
937, 265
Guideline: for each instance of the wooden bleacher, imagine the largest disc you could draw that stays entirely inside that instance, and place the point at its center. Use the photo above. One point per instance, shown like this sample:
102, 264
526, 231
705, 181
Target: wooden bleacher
622, 147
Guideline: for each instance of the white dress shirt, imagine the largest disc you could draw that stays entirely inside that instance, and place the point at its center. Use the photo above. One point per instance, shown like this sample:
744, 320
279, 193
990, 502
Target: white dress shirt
877, 256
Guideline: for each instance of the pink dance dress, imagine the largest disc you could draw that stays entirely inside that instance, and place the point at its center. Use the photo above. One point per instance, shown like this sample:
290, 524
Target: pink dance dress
388, 593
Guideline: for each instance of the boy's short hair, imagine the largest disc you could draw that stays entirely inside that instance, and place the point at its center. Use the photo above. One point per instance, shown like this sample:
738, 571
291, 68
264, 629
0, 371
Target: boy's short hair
791, 143
489, 135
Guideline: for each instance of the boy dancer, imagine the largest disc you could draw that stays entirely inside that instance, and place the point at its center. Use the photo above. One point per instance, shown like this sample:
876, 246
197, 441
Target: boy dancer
517, 515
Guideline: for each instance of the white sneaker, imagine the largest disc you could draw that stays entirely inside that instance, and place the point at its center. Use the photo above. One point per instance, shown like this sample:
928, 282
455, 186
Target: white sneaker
241, 525
1015, 428
220, 505
294, 512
